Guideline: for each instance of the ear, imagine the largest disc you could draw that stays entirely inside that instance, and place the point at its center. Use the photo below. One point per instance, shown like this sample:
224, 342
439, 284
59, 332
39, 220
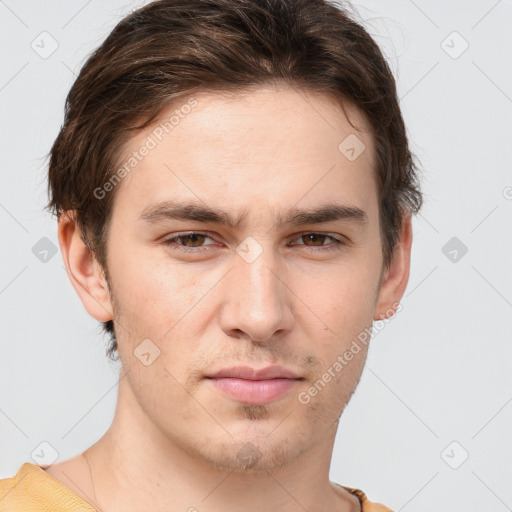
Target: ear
84, 271
395, 278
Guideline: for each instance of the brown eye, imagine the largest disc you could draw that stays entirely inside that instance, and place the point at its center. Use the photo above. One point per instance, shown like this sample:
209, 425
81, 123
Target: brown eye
316, 238
188, 242
195, 239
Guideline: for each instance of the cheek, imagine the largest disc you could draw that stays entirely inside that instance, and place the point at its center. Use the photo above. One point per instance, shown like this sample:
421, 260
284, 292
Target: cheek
341, 297
342, 308
154, 290
161, 302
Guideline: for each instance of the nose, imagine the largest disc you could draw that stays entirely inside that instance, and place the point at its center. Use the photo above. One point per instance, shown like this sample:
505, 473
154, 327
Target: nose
256, 302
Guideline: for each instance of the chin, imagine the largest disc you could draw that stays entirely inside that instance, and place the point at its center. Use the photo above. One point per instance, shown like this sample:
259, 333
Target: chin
253, 449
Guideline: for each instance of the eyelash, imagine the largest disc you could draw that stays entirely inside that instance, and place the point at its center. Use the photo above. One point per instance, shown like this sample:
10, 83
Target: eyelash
171, 242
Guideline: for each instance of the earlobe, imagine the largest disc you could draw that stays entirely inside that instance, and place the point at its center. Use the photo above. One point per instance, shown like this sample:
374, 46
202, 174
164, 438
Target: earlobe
396, 277
83, 270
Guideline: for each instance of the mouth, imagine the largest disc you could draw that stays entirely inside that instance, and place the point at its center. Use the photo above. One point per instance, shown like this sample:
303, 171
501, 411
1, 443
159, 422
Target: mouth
248, 385
254, 392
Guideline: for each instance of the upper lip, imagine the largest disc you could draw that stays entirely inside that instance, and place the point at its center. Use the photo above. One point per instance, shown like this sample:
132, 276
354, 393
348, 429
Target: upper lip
246, 372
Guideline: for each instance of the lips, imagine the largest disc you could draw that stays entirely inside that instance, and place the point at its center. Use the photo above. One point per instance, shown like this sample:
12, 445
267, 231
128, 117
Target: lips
249, 373
247, 385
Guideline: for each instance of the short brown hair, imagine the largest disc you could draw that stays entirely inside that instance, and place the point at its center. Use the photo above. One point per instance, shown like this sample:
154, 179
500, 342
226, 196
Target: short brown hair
169, 48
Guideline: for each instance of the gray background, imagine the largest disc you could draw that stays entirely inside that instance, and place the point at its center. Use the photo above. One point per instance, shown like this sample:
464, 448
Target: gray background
436, 386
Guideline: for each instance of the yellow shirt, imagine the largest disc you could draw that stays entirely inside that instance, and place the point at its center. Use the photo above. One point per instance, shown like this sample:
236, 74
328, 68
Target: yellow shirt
34, 490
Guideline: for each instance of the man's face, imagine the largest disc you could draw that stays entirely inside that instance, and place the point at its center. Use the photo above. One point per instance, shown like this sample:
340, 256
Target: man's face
257, 294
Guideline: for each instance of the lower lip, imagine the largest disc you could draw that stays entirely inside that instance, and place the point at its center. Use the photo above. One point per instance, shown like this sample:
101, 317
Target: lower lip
254, 392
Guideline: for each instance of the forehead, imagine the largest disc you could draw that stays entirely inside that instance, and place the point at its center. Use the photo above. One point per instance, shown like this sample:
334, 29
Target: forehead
264, 146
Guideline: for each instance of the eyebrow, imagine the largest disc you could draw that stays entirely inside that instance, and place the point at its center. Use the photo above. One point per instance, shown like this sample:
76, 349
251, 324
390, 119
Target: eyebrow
192, 211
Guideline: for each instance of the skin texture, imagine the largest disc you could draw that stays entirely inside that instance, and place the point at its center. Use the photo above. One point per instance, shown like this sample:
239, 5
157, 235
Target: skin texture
175, 441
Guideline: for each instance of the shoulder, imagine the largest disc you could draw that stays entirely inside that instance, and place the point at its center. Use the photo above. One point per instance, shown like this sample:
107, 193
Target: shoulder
366, 504
33, 490
11, 488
